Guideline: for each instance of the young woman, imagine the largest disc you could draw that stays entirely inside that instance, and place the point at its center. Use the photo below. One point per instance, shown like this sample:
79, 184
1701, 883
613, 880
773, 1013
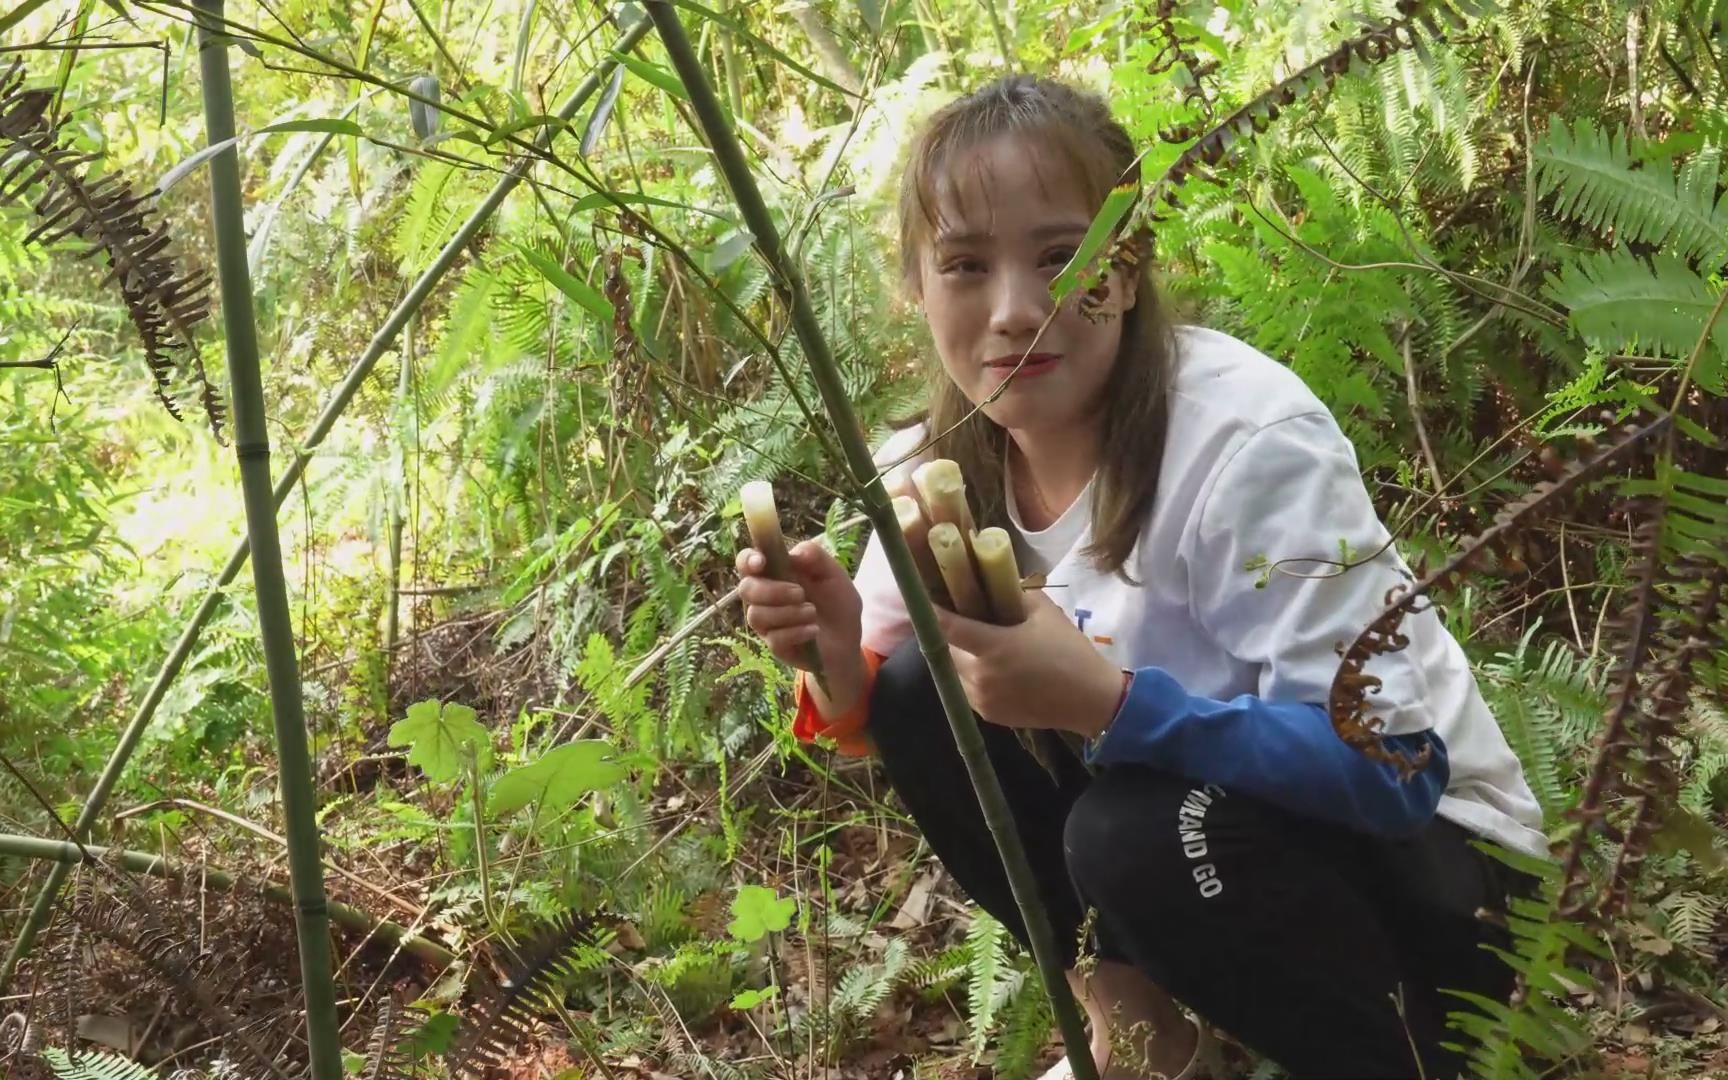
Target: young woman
1240, 858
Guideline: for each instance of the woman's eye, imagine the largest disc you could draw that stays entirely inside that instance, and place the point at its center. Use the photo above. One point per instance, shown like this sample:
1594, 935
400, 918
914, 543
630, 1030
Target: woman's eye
963, 266
1059, 257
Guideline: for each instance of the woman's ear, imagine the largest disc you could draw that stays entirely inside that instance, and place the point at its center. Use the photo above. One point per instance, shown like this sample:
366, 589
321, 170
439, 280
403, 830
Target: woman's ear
1128, 287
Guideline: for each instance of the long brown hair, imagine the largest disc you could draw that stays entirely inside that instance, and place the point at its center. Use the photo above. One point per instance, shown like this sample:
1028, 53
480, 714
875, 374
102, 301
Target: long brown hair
1077, 126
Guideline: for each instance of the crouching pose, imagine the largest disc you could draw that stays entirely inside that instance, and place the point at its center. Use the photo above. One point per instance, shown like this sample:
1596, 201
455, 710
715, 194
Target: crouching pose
1240, 858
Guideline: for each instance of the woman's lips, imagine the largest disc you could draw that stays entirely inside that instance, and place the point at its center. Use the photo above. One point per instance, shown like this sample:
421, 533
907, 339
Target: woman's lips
1036, 364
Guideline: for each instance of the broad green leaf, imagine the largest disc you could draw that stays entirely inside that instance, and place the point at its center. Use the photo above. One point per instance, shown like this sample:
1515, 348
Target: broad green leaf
1110, 215
1620, 302
559, 778
726, 252
1685, 831
659, 76
570, 285
757, 911
749, 999
439, 737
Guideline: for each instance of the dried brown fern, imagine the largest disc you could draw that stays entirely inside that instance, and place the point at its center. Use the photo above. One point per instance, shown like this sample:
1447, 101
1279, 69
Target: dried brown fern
532, 987
136, 931
164, 303
1177, 50
1134, 242
1348, 702
387, 1055
1652, 775
1370, 47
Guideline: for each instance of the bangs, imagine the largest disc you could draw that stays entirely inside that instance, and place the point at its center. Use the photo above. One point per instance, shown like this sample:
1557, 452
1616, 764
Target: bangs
947, 173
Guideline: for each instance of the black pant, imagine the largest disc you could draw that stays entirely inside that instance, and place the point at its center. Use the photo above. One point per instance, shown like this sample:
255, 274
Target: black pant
1291, 934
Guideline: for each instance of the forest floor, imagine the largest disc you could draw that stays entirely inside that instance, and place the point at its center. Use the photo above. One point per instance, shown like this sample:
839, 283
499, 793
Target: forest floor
897, 908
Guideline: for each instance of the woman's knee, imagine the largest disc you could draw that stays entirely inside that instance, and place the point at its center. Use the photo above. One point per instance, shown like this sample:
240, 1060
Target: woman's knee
1142, 837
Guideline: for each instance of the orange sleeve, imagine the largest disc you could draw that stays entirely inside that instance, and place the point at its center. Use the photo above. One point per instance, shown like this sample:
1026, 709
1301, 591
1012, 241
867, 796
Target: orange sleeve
847, 731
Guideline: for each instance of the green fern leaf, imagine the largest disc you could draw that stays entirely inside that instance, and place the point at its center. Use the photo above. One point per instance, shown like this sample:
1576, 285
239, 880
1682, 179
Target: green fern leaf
1592, 172
88, 1066
1619, 302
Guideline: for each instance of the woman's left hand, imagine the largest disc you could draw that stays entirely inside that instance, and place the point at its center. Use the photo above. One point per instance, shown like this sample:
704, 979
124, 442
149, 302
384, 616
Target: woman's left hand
1041, 673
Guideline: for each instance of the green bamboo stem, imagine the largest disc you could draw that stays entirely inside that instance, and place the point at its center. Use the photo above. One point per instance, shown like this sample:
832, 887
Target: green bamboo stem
294, 782
729, 157
339, 401
66, 854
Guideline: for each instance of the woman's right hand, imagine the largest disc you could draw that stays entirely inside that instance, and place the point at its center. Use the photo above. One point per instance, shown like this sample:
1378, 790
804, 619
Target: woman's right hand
821, 605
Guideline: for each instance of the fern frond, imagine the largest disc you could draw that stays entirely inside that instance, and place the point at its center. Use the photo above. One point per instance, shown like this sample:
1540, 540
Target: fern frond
987, 969
1026, 1025
1692, 920
553, 953
387, 1054
1620, 303
164, 302
92, 1066
173, 960
1592, 176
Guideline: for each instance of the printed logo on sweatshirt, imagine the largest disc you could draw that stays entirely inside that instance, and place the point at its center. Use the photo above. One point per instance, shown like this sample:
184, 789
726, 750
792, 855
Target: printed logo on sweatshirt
1190, 819
1080, 617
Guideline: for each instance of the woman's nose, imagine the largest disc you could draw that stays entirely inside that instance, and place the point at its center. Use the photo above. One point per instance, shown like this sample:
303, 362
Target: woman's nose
1020, 302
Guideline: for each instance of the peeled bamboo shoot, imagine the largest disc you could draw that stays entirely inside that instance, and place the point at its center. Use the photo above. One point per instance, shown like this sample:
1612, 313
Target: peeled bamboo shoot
955, 562
762, 518
1001, 574
917, 531
944, 493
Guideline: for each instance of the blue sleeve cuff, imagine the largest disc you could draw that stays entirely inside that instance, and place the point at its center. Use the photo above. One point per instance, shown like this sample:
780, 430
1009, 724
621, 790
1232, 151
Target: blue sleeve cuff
1284, 753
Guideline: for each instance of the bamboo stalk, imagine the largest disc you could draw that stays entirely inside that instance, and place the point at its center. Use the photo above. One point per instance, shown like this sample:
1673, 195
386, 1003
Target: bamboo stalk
67, 855
729, 158
275, 620
339, 401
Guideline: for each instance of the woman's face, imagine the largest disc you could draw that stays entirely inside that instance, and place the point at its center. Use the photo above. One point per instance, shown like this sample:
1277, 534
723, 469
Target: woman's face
1009, 219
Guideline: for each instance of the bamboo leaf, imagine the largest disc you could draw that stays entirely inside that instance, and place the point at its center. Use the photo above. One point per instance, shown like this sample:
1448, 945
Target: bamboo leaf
504, 131
423, 116
568, 284
439, 736
330, 125
742, 31
1110, 215
652, 73
602, 112
559, 779
630, 198
19, 14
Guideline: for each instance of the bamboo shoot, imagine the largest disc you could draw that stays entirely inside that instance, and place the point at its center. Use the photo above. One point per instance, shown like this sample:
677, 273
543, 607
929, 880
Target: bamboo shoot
955, 562
1001, 574
762, 518
917, 531
944, 492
